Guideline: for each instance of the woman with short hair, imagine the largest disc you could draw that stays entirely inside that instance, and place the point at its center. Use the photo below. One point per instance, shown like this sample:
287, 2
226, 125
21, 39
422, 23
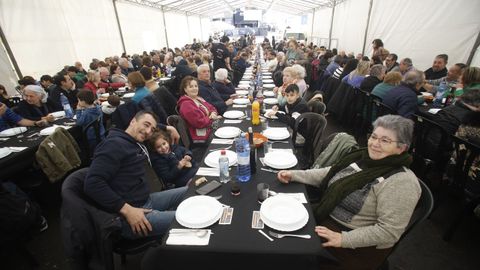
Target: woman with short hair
35, 105
367, 197
223, 85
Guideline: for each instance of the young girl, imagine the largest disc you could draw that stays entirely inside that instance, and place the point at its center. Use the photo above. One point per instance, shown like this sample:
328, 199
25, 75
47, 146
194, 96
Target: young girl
172, 163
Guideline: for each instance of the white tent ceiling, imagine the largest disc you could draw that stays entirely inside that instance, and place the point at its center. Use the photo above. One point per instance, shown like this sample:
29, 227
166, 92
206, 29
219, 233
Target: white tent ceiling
212, 8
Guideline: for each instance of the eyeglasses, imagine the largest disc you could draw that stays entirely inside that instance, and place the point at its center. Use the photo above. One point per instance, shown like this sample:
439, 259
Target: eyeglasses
384, 141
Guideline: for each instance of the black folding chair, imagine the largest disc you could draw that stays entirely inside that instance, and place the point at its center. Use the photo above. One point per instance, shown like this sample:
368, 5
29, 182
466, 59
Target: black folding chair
465, 155
310, 125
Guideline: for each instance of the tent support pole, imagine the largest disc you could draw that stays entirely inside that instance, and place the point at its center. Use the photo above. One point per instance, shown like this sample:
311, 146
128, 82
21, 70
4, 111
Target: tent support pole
165, 27
474, 49
334, 2
366, 27
313, 22
119, 26
10, 54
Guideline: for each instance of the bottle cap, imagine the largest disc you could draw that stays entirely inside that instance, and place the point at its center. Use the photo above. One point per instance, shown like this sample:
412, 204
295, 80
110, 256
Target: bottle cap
223, 152
235, 190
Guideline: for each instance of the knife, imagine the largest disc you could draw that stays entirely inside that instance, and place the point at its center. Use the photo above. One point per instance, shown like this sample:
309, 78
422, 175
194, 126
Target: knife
269, 170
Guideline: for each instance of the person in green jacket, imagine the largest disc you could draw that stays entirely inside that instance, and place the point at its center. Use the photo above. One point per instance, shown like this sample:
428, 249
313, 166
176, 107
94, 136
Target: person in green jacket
470, 80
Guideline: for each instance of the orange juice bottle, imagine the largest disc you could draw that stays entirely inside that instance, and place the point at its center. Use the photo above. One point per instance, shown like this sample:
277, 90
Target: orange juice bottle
255, 113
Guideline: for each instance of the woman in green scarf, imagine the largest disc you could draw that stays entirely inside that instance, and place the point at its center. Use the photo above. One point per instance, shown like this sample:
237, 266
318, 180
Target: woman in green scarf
367, 197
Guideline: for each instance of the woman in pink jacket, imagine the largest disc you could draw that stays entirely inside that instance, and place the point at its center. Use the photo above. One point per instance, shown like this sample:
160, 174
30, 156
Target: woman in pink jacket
198, 113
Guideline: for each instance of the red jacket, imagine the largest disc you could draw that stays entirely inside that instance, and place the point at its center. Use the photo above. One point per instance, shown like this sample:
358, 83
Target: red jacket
93, 88
199, 124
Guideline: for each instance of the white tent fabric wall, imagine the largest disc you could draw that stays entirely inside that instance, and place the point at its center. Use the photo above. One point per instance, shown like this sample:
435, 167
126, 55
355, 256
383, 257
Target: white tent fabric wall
142, 28
321, 26
349, 22
422, 29
46, 35
7, 74
195, 28
178, 34
206, 26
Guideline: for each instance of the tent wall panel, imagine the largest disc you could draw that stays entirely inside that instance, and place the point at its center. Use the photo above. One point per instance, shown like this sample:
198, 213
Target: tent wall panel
195, 28
142, 27
47, 35
408, 29
349, 24
178, 32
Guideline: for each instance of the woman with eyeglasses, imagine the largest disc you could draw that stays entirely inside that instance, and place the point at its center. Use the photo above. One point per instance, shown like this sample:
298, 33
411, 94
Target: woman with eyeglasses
367, 197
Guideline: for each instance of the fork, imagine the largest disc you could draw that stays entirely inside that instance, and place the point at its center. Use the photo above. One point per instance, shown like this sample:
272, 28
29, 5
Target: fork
279, 235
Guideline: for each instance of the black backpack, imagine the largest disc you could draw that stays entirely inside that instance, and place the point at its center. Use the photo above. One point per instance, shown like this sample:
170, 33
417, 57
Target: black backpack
18, 216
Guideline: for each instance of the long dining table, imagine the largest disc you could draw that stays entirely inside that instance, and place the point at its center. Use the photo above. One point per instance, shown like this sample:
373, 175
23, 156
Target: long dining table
25, 146
238, 245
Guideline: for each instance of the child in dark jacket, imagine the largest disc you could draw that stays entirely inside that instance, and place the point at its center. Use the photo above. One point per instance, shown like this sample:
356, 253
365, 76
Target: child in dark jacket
294, 107
172, 163
86, 113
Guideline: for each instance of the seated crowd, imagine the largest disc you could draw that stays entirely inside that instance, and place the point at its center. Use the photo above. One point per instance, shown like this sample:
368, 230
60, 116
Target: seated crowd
358, 214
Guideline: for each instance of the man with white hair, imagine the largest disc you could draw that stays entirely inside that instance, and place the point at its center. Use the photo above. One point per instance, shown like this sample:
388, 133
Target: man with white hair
207, 92
223, 85
125, 66
403, 98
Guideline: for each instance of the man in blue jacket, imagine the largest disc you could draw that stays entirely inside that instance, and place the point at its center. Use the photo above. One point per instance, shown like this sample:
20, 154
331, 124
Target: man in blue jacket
117, 180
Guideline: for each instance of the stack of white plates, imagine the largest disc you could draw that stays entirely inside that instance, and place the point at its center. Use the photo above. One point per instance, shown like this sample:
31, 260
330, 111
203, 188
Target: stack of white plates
270, 101
13, 131
211, 160
198, 212
283, 213
233, 114
241, 101
58, 114
269, 93
241, 92
276, 133
280, 159
228, 132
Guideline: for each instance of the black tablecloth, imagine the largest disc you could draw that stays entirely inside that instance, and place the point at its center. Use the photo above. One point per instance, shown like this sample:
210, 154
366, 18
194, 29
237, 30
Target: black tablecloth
238, 239
20, 161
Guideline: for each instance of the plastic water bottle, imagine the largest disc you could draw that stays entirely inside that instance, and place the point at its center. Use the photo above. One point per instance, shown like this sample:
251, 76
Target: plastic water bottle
223, 165
442, 88
243, 158
66, 106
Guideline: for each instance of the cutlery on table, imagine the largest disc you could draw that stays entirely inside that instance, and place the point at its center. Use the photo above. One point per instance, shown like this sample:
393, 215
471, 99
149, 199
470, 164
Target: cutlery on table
280, 235
197, 232
269, 170
222, 148
280, 141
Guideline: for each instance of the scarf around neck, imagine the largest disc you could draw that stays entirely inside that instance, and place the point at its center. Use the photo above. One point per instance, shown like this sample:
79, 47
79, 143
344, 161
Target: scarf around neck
333, 194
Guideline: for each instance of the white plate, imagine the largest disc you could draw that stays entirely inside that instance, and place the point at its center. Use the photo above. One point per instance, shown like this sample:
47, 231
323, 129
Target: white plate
241, 101
198, 212
5, 152
241, 92
13, 131
269, 85
129, 95
276, 133
269, 93
280, 160
105, 95
270, 117
283, 213
270, 101
227, 132
267, 81
165, 79
233, 114
211, 160
267, 73
49, 130
267, 77
58, 114
426, 94
243, 86
105, 103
